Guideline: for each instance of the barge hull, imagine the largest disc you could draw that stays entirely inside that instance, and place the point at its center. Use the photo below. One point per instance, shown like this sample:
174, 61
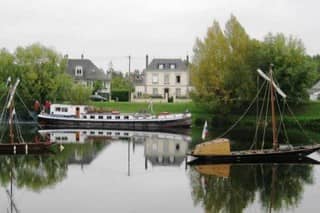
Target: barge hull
128, 125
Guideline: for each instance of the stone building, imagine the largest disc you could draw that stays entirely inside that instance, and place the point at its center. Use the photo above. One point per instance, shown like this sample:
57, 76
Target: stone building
164, 78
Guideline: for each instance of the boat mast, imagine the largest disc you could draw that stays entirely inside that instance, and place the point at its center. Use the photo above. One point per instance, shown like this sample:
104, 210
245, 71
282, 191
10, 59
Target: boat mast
11, 134
274, 125
10, 106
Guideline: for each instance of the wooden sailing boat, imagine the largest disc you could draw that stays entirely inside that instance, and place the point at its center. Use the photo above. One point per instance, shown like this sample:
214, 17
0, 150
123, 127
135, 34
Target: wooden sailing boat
219, 149
20, 147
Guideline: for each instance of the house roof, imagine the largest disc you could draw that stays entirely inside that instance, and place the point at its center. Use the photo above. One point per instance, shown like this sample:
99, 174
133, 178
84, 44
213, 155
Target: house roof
179, 64
90, 70
137, 78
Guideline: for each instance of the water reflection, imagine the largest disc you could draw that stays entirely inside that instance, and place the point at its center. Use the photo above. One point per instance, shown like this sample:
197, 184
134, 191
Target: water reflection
160, 148
82, 148
233, 187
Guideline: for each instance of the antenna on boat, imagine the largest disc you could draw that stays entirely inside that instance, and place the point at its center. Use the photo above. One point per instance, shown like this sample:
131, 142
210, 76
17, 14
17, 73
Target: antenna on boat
274, 125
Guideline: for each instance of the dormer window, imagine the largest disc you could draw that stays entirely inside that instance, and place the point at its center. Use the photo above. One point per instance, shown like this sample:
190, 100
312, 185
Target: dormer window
172, 66
160, 66
78, 71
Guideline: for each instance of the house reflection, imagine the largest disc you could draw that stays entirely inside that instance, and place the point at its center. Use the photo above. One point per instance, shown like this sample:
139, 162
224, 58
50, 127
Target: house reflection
166, 149
160, 148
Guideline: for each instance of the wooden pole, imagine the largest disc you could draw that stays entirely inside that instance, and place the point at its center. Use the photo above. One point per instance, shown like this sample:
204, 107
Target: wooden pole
274, 124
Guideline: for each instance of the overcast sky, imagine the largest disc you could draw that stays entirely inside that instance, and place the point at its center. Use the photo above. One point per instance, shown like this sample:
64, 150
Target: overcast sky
110, 30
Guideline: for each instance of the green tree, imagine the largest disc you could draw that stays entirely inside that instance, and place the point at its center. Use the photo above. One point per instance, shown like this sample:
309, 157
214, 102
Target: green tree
97, 85
239, 75
41, 69
293, 68
120, 83
209, 68
223, 70
7, 65
80, 94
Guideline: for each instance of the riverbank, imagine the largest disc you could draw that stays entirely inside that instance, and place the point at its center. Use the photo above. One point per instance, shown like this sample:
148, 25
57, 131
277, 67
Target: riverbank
307, 114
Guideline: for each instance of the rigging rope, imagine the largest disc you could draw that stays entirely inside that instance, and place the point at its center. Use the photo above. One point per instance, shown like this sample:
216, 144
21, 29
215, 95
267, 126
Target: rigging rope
259, 118
29, 112
266, 117
18, 129
244, 114
298, 123
281, 122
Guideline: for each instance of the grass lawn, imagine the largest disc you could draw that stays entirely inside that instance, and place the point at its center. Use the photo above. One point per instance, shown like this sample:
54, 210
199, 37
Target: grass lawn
306, 113
197, 112
137, 107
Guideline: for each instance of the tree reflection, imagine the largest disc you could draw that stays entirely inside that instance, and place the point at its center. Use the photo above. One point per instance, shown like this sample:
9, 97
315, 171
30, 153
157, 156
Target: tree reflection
277, 186
37, 172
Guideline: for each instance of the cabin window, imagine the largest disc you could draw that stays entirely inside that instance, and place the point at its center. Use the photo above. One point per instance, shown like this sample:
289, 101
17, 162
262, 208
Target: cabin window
58, 109
92, 132
117, 117
65, 138
109, 117
117, 133
126, 117
58, 138
177, 147
109, 133
92, 116
64, 109
85, 117
100, 117
126, 134
84, 132
100, 133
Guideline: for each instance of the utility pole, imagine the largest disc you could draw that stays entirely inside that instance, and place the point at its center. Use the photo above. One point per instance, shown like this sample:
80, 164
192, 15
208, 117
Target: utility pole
129, 98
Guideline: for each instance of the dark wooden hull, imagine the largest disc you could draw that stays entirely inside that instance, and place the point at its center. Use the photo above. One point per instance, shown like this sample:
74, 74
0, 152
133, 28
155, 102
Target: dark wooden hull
26, 148
258, 156
280, 160
128, 125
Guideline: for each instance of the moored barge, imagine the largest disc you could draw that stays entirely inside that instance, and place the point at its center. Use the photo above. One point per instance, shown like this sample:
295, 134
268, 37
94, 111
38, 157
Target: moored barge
80, 116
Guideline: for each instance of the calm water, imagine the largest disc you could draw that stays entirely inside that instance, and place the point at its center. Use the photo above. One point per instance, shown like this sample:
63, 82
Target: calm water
119, 171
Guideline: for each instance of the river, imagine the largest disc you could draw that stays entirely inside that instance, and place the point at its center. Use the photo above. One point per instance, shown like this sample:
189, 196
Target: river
128, 171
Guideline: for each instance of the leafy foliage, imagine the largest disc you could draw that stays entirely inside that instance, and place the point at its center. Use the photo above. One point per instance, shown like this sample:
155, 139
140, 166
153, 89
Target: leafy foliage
223, 69
41, 70
43, 77
79, 94
119, 82
293, 69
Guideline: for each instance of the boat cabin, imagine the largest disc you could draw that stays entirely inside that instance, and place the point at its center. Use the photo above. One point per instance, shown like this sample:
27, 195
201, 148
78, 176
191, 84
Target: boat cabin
67, 110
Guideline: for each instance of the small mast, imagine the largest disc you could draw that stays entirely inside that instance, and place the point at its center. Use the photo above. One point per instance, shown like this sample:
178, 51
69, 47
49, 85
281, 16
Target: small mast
274, 124
10, 106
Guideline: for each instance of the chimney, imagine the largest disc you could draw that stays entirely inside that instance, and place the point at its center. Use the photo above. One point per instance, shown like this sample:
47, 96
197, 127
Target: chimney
187, 60
147, 61
82, 56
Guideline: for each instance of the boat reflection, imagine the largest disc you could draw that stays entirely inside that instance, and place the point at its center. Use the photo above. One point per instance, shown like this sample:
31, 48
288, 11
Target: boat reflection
160, 148
234, 187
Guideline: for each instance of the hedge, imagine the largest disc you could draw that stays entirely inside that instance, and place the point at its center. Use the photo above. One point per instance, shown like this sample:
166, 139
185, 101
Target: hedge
120, 95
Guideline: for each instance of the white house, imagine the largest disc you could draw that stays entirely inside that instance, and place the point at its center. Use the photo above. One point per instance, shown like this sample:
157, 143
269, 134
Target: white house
314, 92
164, 78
